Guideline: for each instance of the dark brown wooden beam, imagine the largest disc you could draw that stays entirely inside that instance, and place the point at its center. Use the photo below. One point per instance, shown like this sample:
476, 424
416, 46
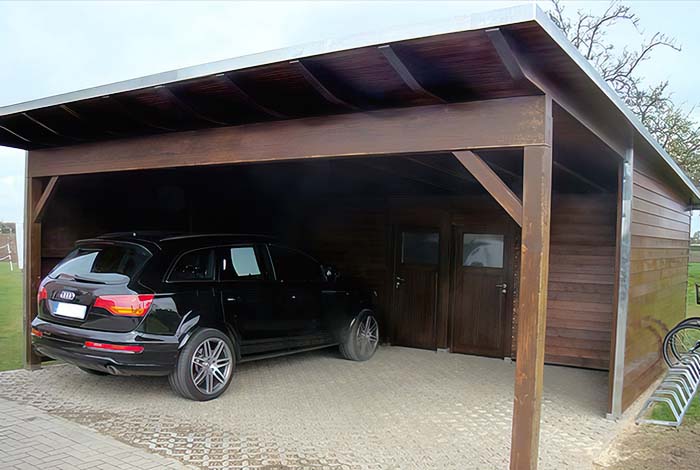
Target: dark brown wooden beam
577, 106
187, 107
248, 100
44, 199
50, 129
510, 62
579, 177
135, 117
19, 136
392, 166
88, 123
510, 122
32, 268
467, 177
492, 183
322, 90
402, 70
532, 307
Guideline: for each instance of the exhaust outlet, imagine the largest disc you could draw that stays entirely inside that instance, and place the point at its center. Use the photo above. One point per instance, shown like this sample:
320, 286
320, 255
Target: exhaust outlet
113, 370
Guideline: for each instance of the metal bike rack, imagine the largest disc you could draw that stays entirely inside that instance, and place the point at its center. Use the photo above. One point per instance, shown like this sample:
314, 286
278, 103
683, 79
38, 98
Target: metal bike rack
677, 391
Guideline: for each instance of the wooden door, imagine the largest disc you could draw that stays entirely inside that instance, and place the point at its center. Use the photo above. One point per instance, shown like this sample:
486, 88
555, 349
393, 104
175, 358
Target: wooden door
415, 288
479, 319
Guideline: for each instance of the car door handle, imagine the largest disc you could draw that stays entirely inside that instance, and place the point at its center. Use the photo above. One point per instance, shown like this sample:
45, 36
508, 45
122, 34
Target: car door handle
233, 299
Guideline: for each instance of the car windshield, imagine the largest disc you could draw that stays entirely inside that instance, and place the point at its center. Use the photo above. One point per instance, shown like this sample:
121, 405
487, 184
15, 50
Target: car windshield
106, 263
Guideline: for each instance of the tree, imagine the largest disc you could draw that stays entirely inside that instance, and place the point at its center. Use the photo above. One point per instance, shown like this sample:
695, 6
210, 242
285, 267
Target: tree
667, 121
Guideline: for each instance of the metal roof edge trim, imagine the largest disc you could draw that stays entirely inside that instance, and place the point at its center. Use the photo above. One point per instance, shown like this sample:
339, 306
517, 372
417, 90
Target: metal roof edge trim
476, 21
558, 36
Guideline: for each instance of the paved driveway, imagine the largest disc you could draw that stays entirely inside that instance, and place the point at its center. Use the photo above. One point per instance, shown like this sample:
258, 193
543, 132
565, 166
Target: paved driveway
406, 408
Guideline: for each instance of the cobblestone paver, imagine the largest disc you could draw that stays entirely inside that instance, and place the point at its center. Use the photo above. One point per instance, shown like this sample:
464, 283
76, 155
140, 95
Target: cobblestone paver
33, 439
404, 409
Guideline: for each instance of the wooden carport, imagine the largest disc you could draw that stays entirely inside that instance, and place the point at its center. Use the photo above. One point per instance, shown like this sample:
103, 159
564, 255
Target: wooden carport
490, 82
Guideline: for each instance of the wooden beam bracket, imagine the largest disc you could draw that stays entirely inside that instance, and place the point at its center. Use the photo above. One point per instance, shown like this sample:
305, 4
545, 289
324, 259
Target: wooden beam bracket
492, 183
38, 211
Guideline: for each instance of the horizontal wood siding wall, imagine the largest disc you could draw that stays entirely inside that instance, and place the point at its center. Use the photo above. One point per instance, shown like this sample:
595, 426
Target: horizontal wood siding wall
581, 280
658, 276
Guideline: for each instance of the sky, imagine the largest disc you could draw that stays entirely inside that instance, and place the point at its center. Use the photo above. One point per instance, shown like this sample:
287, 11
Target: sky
48, 48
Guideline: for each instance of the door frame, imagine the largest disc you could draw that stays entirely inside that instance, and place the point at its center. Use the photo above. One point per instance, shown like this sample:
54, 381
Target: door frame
397, 230
509, 251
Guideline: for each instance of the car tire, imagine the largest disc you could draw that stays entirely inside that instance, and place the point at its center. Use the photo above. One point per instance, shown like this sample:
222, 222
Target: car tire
362, 338
205, 366
93, 371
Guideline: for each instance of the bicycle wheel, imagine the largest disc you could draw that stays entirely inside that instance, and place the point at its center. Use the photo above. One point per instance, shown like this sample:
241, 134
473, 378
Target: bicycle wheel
681, 340
689, 321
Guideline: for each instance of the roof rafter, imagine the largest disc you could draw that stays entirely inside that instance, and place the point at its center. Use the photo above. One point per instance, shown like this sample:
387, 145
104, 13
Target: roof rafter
124, 109
320, 87
84, 120
579, 176
402, 70
248, 100
186, 106
405, 173
50, 129
508, 59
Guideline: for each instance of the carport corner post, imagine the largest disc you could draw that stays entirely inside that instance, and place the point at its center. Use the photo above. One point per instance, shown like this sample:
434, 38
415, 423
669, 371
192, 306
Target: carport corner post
532, 307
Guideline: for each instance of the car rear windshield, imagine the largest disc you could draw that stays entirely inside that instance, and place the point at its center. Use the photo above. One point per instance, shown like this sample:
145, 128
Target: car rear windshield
102, 263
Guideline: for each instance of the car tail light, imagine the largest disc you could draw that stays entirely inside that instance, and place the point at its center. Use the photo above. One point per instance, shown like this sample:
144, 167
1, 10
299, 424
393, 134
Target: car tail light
125, 305
42, 295
124, 348
37, 333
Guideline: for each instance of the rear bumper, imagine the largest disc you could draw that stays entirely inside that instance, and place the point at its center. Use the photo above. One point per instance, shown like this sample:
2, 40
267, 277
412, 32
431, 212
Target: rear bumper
67, 344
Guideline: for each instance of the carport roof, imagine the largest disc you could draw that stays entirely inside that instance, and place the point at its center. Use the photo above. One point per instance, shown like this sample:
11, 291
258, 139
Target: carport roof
451, 61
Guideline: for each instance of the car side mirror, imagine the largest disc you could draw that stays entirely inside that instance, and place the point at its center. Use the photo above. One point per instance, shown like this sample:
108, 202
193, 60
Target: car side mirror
331, 273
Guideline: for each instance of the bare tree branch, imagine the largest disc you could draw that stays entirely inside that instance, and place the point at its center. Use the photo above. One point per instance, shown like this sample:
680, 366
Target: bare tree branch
674, 128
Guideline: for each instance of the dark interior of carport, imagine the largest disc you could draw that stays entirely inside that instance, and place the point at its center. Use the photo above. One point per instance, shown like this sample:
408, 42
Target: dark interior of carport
419, 229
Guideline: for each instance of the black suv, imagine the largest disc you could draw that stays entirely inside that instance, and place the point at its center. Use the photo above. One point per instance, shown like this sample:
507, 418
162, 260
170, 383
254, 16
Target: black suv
193, 306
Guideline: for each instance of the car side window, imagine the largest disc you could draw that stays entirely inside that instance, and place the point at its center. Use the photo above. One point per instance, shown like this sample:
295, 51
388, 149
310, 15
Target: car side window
198, 265
240, 262
292, 265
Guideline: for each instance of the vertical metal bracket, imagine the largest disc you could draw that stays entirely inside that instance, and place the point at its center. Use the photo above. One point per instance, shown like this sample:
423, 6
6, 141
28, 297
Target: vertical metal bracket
623, 281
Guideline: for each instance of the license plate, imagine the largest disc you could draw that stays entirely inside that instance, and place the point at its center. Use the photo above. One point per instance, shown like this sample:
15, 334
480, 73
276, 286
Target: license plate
70, 310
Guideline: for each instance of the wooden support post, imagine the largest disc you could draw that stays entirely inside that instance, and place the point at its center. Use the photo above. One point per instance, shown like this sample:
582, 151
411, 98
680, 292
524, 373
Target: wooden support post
532, 310
32, 266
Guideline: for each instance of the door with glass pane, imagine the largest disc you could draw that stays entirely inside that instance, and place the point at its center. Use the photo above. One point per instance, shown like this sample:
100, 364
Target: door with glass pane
480, 290
415, 288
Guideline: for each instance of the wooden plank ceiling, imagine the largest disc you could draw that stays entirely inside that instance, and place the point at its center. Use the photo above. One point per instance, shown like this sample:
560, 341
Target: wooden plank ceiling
446, 68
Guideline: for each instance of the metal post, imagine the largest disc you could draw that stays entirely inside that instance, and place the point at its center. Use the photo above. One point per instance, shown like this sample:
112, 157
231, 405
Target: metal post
623, 282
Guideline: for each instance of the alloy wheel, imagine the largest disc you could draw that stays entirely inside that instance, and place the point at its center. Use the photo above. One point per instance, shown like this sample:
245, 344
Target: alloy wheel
367, 335
211, 365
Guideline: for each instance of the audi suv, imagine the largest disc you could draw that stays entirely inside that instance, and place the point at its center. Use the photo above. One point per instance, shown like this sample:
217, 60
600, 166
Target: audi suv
192, 307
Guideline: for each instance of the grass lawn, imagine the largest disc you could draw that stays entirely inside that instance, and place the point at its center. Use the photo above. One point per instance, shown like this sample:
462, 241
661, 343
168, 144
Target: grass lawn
10, 318
693, 310
693, 277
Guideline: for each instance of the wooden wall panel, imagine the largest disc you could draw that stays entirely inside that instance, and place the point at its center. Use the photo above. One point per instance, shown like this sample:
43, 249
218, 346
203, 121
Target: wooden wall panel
658, 276
581, 280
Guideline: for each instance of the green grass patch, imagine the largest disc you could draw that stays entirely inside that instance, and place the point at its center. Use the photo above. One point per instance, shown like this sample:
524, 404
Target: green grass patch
11, 344
661, 411
693, 309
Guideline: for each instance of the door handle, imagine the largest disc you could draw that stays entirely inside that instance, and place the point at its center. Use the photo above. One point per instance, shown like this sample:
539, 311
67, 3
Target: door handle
503, 287
399, 281
233, 299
